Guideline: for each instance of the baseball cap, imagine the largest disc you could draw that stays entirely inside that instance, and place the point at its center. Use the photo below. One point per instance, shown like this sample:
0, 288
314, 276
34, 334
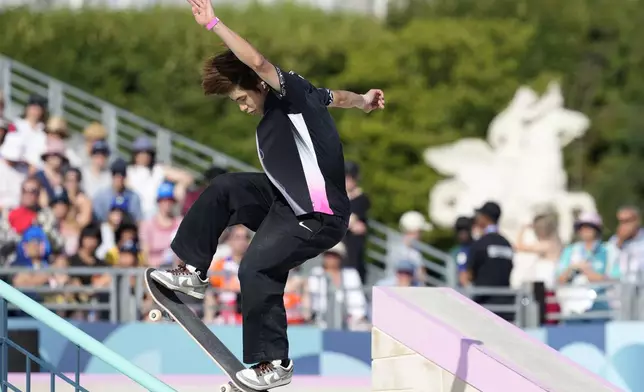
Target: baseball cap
129, 247
490, 209
591, 219
414, 221
39, 100
119, 203
405, 266
119, 166
100, 147
141, 144
34, 233
463, 223
339, 249
165, 191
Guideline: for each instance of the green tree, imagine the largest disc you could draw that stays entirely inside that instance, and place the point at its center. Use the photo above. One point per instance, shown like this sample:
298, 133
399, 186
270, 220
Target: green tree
443, 79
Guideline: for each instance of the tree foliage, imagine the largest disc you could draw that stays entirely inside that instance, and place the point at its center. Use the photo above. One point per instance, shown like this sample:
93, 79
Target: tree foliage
447, 67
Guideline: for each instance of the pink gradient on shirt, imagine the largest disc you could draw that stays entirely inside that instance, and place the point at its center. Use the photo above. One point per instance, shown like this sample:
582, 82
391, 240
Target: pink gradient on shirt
320, 201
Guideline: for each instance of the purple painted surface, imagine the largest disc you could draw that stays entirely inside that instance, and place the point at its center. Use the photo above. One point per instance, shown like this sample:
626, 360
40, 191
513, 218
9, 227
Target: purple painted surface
303, 381
523, 335
445, 346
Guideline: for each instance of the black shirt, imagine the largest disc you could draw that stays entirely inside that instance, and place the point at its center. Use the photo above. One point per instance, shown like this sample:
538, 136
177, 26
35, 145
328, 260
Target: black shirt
490, 261
356, 243
76, 262
300, 149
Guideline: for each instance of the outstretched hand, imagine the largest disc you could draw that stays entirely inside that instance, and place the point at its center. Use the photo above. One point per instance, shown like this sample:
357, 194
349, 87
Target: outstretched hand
202, 11
373, 99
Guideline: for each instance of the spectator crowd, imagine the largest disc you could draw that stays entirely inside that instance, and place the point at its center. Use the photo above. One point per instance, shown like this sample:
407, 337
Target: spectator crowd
77, 203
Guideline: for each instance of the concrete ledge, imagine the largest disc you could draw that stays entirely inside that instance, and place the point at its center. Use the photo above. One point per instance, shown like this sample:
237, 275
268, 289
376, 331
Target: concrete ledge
444, 342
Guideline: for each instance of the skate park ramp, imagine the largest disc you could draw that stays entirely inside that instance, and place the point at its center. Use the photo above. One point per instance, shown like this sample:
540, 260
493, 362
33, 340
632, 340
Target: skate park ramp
435, 339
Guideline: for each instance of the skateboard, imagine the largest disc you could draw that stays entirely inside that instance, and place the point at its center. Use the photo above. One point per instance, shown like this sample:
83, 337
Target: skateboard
177, 310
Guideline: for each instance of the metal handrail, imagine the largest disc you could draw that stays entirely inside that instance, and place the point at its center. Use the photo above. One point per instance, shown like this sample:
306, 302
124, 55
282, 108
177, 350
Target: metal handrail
80, 108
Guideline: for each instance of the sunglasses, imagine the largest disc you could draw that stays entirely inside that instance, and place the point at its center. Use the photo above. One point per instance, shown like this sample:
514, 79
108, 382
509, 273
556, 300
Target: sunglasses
31, 190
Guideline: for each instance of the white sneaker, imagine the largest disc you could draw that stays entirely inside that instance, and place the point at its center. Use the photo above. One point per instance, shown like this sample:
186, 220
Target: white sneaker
266, 375
184, 278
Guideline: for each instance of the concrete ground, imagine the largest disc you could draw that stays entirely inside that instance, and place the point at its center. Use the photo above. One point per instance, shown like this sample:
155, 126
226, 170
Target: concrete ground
40, 382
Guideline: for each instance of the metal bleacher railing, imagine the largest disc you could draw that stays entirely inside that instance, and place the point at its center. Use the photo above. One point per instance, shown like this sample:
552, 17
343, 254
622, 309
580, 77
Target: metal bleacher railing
79, 108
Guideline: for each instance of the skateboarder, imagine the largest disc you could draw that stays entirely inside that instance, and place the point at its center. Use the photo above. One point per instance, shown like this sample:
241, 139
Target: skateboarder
298, 206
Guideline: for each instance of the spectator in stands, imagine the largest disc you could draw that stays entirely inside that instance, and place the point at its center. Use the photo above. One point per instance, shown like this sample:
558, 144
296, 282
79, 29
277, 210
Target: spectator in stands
356, 237
223, 277
412, 224
344, 282
51, 173
489, 261
126, 232
80, 205
91, 134
66, 223
627, 245
118, 214
298, 310
194, 191
96, 175
29, 213
56, 129
157, 232
145, 175
13, 172
582, 263
6, 127
405, 276
544, 245
128, 255
60, 281
32, 255
89, 241
463, 233
30, 129
103, 201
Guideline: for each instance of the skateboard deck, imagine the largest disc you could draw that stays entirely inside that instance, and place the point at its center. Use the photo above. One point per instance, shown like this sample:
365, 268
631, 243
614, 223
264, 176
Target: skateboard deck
184, 316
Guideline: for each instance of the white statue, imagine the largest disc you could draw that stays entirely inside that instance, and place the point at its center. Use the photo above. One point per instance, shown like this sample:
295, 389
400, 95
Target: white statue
520, 166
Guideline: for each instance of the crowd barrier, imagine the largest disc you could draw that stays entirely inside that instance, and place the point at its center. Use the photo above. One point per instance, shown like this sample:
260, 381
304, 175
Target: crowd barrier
124, 300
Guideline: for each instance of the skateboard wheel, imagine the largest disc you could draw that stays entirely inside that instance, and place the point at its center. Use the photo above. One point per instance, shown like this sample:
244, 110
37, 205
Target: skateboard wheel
226, 388
155, 315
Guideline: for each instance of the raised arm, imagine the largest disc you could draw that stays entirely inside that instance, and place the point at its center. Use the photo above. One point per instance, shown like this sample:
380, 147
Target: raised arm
204, 14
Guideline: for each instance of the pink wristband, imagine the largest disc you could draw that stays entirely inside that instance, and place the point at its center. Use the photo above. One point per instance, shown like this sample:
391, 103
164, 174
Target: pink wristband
212, 23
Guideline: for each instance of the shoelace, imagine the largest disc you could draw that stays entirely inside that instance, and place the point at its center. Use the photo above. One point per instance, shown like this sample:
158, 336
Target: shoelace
180, 270
263, 368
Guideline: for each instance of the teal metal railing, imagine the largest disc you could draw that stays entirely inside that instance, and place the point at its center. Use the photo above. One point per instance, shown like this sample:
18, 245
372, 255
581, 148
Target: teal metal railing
75, 335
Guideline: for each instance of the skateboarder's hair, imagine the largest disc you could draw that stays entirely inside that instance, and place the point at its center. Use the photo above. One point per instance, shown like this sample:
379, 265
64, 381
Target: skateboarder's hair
224, 72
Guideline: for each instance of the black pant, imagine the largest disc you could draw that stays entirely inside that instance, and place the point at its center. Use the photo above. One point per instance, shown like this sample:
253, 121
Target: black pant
282, 242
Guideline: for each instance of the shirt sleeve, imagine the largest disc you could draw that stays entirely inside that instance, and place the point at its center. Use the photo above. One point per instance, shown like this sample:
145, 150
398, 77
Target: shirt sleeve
295, 89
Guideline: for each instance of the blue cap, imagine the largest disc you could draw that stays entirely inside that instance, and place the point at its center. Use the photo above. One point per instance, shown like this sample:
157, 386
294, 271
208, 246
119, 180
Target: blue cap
129, 247
119, 203
119, 166
34, 233
406, 266
100, 147
166, 191
142, 143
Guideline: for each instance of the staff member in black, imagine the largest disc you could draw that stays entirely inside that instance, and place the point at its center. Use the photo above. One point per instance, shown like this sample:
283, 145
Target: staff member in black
489, 262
